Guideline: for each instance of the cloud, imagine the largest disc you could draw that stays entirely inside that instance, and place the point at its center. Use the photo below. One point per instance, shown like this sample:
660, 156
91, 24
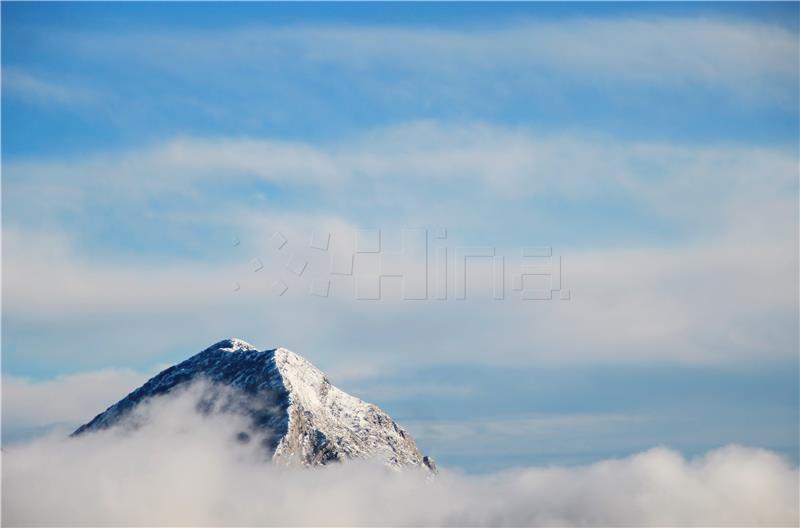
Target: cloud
497, 431
698, 303
422, 170
747, 59
66, 399
33, 88
48, 278
182, 468
711, 280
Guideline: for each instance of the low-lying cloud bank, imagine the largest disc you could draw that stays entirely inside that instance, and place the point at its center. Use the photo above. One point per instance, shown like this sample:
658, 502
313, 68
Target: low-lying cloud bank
182, 468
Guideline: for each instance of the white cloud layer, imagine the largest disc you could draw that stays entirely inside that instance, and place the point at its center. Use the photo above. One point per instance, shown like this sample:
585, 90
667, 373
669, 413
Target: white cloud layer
717, 282
181, 468
719, 302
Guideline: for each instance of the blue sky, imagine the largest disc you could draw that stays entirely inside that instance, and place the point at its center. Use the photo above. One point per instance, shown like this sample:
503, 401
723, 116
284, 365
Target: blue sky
653, 146
342, 98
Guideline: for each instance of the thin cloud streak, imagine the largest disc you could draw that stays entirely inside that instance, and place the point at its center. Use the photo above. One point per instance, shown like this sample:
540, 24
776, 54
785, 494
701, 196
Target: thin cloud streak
750, 60
409, 167
28, 86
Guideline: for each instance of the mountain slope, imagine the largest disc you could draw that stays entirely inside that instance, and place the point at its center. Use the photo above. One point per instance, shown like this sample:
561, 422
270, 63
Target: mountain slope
302, 418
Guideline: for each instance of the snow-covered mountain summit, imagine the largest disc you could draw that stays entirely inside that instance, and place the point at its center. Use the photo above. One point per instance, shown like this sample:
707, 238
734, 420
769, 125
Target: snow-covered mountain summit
289, 402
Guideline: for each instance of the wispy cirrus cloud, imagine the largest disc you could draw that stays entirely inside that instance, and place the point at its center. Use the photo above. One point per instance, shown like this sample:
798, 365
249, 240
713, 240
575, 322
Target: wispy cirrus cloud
408, 168
33, 88
325, 78
751, 59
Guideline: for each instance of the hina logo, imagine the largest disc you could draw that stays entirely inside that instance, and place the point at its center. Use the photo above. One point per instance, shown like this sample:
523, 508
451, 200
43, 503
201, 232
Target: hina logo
427, 269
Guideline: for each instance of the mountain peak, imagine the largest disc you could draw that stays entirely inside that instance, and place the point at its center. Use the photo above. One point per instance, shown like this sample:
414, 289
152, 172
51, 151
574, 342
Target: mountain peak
232, 344
289, 401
